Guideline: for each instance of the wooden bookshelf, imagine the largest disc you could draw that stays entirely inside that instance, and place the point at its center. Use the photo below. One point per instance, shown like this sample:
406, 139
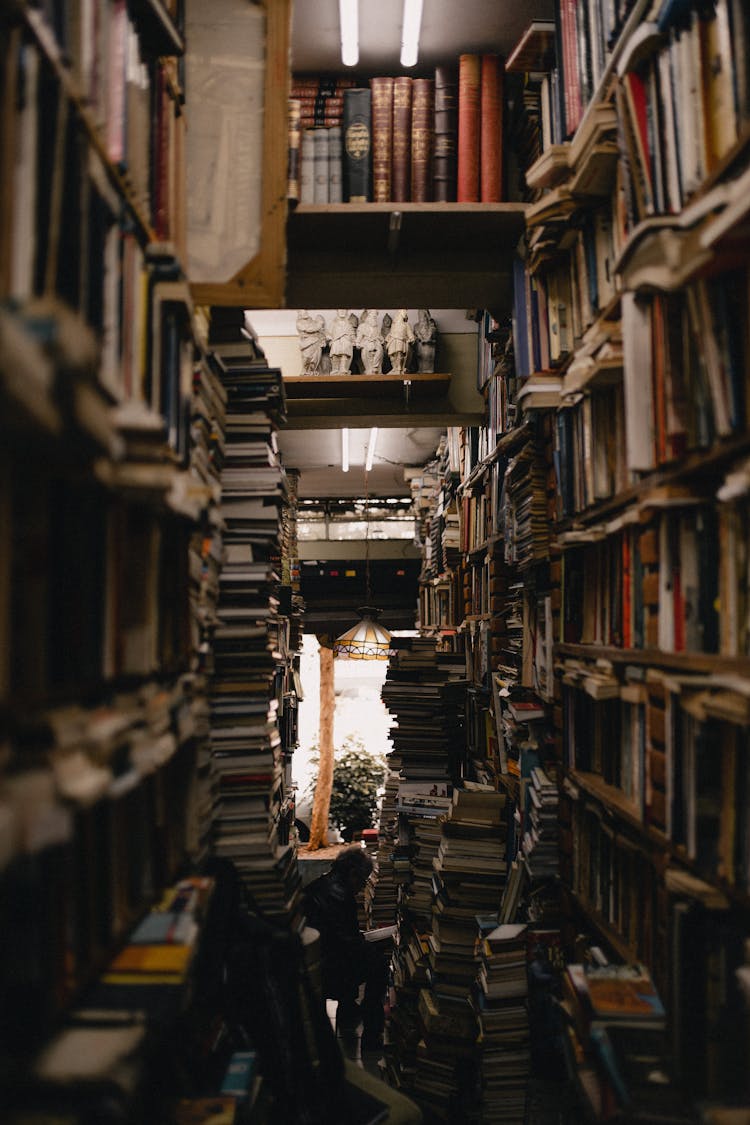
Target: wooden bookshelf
437, 255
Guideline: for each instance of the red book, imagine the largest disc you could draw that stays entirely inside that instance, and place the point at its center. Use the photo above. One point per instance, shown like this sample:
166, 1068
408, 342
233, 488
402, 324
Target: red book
491, 130
401, 172
468, 129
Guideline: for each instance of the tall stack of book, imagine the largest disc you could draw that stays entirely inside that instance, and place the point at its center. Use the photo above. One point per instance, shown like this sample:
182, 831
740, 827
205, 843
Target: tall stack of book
249, 635
208, 425
505, 1057
469, 873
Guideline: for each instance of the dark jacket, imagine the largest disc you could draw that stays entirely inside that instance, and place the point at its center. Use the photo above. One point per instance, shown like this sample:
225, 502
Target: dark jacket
331, 908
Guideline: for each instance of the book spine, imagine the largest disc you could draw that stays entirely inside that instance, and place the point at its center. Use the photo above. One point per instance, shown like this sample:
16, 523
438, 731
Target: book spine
467, 188
402, 115
446, 134
320, 148
307, 167
294, 155
335, 161
381, 89
357, 145
491, 130
422, 132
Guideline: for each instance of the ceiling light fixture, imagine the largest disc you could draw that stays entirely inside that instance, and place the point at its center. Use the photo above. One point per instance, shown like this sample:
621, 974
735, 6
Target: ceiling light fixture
371, 448
410, 32
368, 639
344, 450
349, 20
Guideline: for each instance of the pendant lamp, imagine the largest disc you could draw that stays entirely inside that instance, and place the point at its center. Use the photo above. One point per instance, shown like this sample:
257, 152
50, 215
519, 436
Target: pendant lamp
368, 639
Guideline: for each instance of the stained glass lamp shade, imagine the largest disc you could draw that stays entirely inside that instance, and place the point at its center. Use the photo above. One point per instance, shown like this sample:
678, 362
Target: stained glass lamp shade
367, 640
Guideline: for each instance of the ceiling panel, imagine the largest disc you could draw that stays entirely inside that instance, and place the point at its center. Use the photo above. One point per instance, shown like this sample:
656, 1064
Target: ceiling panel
449, 28
317, 454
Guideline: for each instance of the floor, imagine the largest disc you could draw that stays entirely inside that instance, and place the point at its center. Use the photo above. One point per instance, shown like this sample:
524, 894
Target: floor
351, 1045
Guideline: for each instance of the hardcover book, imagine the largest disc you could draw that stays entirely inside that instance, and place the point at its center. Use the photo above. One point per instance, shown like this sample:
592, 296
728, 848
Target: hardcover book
402, 119
446, 134
469, 73
357, 145
422, 125
382, 137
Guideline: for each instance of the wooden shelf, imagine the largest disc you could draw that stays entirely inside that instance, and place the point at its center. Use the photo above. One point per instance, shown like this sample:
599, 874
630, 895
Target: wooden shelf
369, 386
697, 662
325, 401
439, 255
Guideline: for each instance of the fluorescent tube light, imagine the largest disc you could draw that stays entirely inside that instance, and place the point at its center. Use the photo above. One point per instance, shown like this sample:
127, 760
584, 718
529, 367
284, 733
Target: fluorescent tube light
345, 451
410, 32
371, 448
349, 20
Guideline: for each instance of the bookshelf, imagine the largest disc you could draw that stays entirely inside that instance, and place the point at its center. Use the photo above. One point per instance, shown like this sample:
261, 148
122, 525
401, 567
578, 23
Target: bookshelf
114, 407
387, 249
634, 243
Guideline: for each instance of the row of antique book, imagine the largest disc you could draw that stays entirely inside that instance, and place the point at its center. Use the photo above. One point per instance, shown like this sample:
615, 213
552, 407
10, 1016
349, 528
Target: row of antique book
400, 139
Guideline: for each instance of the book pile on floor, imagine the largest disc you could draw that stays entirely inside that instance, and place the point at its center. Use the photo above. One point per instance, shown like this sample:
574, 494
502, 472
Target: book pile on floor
505, 1056
381, 892
469, 872
249, 634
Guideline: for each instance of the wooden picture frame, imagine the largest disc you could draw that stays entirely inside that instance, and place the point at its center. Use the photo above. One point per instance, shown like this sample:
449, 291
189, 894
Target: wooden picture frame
261, 281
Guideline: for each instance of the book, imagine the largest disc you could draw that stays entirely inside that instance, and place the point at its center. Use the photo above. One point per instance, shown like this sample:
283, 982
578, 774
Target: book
335, 165
446, 134
422, 132
357, 142
491, 118
402, 137
294, 155
382, 138
320, 165
467, 169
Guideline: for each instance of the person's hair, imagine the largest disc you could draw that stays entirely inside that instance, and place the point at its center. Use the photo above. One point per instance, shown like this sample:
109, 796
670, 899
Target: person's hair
353, 861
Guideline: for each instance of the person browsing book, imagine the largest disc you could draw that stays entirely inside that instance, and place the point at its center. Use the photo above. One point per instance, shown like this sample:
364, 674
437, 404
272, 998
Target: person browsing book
348, 960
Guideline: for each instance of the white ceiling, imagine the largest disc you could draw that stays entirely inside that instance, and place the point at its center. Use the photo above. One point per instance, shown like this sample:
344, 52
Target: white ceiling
317, 453
449, 28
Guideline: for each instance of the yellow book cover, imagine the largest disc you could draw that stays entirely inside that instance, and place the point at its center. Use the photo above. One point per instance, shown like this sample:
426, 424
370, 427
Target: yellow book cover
162, 958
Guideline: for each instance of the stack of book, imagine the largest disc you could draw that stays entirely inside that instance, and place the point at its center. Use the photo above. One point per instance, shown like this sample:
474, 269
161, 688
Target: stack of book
248, 636
445, 1076
504, 1021
424, 690
540, 841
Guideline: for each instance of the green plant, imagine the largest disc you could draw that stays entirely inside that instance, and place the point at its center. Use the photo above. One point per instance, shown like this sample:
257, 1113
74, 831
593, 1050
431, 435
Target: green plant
358, 776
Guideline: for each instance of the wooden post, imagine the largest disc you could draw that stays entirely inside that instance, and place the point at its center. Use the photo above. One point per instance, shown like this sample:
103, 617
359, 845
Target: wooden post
324, 782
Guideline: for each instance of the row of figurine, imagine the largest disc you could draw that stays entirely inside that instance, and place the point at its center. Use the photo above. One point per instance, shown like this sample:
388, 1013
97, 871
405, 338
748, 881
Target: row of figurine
372, 345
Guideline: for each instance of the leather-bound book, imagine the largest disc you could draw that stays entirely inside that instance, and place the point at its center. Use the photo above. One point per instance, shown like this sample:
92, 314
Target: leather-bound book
381, 89
335, 165
294, 153
422, 133
357, 145
491, 130
446, 134
469, 68
402, 96
320, 191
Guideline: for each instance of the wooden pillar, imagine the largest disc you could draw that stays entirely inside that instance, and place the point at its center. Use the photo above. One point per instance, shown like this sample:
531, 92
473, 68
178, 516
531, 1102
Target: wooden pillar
324, 782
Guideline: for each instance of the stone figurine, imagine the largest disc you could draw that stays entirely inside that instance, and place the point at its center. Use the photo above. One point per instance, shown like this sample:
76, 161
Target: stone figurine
370, 343
312, 339
425, 333
399, 341
342, 337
